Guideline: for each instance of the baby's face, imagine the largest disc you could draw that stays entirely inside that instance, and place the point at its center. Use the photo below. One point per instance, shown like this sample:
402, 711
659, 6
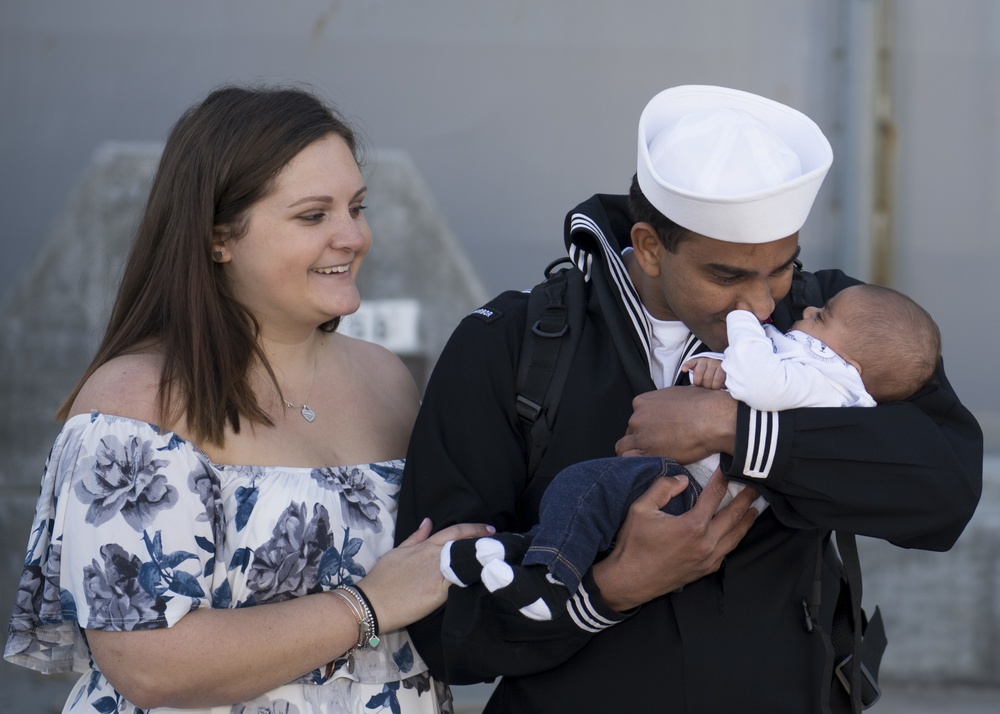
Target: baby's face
829, 323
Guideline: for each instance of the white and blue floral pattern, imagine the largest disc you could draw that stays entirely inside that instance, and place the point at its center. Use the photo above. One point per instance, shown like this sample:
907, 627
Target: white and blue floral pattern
135, 527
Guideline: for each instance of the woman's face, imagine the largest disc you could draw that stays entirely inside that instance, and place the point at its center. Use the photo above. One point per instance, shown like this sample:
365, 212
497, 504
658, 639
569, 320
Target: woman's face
297, 262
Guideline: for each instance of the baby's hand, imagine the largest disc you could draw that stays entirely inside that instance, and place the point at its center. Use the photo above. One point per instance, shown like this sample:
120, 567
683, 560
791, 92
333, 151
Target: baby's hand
705, 372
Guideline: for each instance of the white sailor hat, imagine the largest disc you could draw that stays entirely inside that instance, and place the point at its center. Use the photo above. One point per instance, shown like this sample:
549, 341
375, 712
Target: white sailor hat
730, 165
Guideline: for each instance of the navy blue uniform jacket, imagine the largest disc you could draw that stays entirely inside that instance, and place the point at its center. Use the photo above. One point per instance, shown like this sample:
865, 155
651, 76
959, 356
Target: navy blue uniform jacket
907, 472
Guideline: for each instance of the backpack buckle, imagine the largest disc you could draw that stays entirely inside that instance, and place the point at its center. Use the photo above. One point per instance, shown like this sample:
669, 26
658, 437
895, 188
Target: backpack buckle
870, 691
539, 329
527, 409
807, 612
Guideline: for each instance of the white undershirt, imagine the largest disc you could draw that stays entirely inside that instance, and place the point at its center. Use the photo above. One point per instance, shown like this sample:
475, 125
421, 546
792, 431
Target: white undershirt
666, 350
667, 347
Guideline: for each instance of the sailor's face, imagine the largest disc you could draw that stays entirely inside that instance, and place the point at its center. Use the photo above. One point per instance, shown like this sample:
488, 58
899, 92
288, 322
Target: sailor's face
706, 279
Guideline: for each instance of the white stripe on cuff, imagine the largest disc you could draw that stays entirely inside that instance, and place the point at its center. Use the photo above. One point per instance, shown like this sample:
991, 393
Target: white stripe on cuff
762, 443
583, 613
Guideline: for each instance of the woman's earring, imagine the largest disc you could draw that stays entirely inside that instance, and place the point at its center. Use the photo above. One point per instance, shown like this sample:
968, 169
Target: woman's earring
217, 256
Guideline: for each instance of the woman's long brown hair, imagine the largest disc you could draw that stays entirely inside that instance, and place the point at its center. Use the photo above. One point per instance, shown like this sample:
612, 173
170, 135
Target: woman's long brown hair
221, 157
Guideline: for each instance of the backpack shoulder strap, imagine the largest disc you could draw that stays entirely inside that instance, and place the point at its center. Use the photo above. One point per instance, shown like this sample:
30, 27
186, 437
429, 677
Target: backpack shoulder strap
556, 309
806, 291
858, 641
855, 644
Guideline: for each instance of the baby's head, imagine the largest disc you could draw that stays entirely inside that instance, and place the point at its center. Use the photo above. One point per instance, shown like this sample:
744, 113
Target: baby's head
891, 340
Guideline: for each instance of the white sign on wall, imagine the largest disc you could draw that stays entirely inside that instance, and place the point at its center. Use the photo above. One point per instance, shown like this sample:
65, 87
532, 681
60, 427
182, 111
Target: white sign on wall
391, 323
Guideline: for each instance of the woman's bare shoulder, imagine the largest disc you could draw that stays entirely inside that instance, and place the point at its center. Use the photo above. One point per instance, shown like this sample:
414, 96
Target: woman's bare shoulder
126, 386
387, 395
381, 366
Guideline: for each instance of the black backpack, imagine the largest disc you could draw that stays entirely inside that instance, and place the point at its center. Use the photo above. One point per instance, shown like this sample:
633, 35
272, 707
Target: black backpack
555, 316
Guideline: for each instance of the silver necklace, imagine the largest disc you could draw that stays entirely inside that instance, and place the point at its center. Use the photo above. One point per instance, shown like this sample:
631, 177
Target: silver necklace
308, 414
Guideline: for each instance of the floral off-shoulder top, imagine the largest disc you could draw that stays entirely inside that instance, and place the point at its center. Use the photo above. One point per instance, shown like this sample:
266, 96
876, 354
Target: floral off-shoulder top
135, 527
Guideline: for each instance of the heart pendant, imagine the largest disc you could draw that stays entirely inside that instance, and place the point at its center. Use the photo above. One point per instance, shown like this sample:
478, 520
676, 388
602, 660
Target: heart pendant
308, 413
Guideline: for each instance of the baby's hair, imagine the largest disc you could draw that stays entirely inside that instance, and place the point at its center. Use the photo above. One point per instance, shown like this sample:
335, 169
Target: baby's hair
896, 342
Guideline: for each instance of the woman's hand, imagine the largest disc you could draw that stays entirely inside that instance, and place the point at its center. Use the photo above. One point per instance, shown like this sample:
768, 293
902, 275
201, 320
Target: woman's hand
406, 584
216, 657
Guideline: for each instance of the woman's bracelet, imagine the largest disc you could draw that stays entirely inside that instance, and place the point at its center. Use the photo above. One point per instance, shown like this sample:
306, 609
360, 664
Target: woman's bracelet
361, 622
363, 598
366, 615
367, 624
362, 609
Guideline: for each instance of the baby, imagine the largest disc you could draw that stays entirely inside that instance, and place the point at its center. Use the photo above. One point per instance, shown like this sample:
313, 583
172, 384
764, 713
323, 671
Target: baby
868, 344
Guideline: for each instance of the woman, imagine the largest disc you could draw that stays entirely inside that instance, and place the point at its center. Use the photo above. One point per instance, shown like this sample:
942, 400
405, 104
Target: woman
216, 517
